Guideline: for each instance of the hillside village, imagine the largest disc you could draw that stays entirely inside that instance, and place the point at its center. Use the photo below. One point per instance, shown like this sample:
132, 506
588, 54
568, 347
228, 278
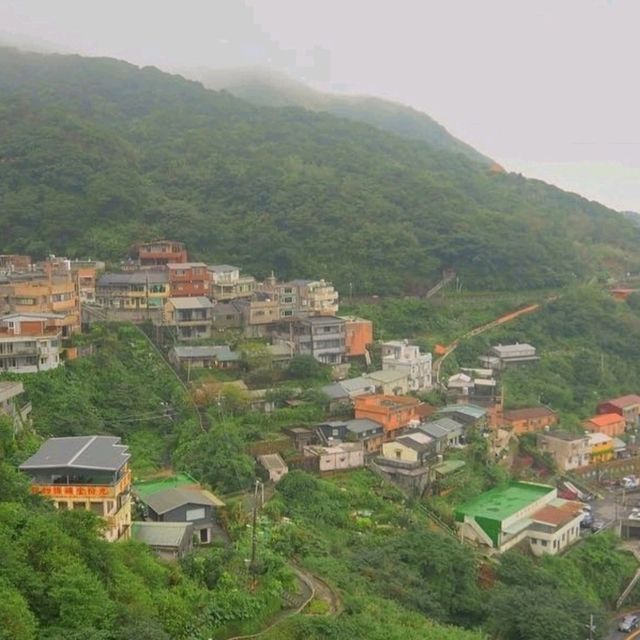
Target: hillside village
212, 323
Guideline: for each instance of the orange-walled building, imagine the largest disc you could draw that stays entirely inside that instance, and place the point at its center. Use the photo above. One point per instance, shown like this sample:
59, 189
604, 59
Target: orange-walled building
611, 424
55, 293
394, 413
529, 420
358, 336
189, 279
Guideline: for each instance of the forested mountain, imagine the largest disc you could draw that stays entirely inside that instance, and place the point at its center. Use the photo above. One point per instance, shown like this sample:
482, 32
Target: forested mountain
96, 154
271, 89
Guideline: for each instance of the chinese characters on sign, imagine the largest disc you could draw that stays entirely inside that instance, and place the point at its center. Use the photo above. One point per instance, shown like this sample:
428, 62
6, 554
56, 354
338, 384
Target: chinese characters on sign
70, 491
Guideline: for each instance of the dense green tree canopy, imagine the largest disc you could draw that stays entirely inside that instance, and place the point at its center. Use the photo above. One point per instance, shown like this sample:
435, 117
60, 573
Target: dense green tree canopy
96, 154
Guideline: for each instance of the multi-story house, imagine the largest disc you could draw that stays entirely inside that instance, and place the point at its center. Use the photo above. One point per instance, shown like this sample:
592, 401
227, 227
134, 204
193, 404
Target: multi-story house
161, 252
191, 317
188, 279
569, 450
186, 504
301, 298
228, 315
394, 413
40, 292
601, 447
317, 297
364, 430
529, 420
400, 356
259, 313
133, 291
322, 337
358, 336
86, 278
227, 283
389, 382
412, 447
85, 472
504, 355
612, 424
30, 342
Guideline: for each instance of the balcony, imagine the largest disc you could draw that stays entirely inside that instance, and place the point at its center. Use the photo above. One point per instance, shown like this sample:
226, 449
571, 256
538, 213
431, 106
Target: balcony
85, 491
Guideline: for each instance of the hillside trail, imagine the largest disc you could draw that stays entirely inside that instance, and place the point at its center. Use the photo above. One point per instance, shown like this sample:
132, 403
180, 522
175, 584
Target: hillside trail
503, 319
311, 587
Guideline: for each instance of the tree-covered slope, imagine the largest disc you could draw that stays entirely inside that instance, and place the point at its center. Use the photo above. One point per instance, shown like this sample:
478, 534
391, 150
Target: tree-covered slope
96, 154
272, 89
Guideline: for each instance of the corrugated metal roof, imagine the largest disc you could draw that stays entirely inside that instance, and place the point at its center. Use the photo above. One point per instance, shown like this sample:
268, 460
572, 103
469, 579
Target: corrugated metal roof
171, 499
194, 302
137, 277
361, 425
103, 453
161, 534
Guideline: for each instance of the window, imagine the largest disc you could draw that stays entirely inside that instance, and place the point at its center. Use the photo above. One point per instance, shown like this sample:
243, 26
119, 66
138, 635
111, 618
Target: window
543, 543
97, 508
195, 514
204, 535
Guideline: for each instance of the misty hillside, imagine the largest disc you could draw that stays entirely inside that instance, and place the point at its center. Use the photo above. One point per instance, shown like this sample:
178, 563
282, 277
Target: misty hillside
271, 89
96, 154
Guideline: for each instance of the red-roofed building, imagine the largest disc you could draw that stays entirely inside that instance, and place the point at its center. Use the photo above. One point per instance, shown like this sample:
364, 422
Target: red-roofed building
555, 526
611, 424
622, 293
627, 406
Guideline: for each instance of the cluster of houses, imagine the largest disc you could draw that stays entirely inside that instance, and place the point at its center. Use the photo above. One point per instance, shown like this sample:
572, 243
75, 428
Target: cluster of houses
601, 440
40, 309
92, 473
398, 436
43, 304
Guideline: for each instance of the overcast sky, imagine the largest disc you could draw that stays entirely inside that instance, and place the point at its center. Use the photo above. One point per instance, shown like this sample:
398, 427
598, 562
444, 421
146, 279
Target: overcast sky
549, 88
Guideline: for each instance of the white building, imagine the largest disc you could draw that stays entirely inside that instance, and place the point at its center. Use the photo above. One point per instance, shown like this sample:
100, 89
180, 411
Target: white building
400, 356
348, 455
30, 342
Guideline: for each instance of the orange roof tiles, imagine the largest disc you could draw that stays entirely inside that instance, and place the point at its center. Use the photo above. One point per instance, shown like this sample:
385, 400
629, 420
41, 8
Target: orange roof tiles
605, 419
557, 516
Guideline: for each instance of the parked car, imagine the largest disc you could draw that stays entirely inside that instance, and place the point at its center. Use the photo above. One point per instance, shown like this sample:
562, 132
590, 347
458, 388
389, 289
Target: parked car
629, 623
597, 525
587, 520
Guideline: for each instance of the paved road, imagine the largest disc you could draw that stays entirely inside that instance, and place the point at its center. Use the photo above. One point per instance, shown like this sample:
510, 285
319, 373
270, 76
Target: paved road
614, 634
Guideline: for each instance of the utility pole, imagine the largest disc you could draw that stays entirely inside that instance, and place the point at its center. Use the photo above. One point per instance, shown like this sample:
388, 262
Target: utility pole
254, 533
591, 627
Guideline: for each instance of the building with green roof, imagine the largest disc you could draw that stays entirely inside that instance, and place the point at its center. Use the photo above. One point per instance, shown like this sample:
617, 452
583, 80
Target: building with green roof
504, 516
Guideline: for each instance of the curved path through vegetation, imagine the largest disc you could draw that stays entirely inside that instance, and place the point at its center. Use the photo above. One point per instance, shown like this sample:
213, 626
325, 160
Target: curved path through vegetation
507, 317
310, 587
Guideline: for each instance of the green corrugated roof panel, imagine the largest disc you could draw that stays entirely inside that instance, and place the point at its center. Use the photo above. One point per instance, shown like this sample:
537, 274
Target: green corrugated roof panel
501, 502
147, 488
